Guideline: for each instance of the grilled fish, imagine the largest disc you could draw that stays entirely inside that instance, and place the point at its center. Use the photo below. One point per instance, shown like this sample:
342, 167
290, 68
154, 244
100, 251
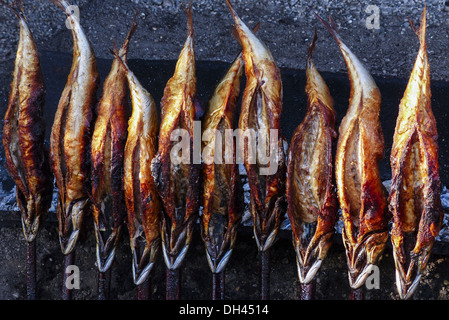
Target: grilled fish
177, 177
311, 197
142, 201
108, 146
414, 199
71, 135
259, 123
360, 147
24, 134
222, 191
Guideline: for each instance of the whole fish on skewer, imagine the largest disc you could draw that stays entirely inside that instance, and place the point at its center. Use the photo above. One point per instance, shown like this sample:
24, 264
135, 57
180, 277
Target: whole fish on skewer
24, 134
26, 155
142, 201
108, 147
414, 199
221, 193
261, 111
312, 200
71, 135
259, 125
360, 148
177, 177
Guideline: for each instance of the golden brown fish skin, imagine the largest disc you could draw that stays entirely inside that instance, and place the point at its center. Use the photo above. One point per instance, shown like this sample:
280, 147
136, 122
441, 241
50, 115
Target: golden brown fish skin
141, 198
178, 184
222, 191
71, 135
261, 111
107, 152
311, 197
24, 134
360, 147
414, 199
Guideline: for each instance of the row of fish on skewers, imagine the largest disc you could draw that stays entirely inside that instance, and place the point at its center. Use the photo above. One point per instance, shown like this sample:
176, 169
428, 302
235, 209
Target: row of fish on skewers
119, 164
413, 204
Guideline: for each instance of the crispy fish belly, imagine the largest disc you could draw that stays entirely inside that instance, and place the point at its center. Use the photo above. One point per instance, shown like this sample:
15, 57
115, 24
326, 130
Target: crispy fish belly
107, 152
311, 198
24, 133
222, 190
141, 198
70, 136
259, 125
360, 190
175, 174
414, 199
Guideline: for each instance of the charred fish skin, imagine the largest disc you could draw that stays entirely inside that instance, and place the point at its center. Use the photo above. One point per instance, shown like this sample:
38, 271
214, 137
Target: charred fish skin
261, 113
107, 152
142, 201
178, 182
311, 197
360, 147
222, 211
414, 199
71, 136
24, 134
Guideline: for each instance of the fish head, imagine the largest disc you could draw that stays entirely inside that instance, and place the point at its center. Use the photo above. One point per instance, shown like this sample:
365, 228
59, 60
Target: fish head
410, 265
144, 256
363, 256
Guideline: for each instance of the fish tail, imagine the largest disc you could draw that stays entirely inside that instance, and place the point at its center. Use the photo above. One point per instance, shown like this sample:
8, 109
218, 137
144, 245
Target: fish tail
125, 46
312, 48
331, 26
188, 10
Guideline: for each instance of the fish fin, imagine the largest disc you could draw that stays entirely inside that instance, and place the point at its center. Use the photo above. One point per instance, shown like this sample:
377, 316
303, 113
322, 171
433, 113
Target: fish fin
125, 46
256, 27
231, 8
19, 5
331, 26
421, 30
16, 8
116, 55
312, 45
62, 4
188, 11
236, 35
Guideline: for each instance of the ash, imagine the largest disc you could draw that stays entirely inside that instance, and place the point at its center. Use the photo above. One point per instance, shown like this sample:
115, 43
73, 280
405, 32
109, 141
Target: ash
8, 204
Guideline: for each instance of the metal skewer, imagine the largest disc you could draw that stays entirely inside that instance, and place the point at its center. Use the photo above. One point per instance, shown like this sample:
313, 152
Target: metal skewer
307, 291
173, 284
144, 290
104, 284
31, 270
218, 286
357, 294
265, 272
69, 259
